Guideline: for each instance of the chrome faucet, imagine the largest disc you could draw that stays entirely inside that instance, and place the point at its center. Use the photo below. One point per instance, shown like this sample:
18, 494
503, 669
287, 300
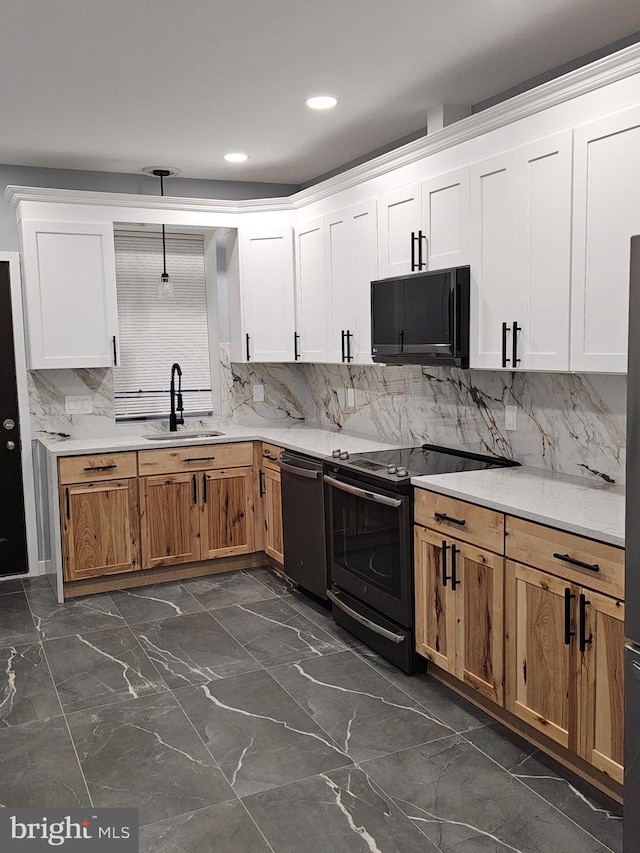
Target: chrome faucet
176, 399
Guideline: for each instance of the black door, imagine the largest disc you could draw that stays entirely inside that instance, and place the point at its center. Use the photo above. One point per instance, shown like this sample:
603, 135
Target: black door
13, 541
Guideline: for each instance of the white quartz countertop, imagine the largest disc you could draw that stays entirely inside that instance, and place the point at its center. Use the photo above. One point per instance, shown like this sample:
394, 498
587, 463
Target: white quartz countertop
300, 437
575, 504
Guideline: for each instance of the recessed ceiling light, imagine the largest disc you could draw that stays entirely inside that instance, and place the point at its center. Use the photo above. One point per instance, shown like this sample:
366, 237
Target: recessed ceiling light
235, 157
321, 102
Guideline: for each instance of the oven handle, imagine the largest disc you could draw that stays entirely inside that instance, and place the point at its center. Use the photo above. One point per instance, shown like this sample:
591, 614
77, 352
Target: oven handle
299, 472
362, 493
378, 629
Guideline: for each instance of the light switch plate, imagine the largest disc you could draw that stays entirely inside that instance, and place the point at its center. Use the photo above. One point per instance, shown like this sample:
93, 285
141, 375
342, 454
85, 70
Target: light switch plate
510, 418
351, 398
78, 405
258, 393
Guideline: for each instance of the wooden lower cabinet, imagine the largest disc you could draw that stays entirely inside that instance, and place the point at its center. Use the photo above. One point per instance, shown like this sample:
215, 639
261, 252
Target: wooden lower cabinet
170, 520
565, 664
272, 496
227, 523
459, 610
100, 527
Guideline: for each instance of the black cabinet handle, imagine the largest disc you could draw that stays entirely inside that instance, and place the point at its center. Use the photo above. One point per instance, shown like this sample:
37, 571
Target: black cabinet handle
454, 576
505, 330
296, 351
261, 481
413, 251
348, 336
402, 341
515, 361
67, 501
445, 577
247, 342
100, 468
421, 238
115, 352
342, 335
204, 488
442, 516
592, 567
199, 458
582, 638
195, 489
568, 633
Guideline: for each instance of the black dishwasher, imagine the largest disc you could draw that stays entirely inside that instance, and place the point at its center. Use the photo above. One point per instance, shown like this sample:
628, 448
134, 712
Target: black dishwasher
303, 522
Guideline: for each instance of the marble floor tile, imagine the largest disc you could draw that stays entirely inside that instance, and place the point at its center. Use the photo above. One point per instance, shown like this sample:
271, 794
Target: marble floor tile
101, 668
26, 689
223, 828
76, 615
273, 580
223, 590
275, 633
39, 767
588, 807
14, 585
341, 812
360, 709
463, 801
33, 582
257, 733
447, 706
16, 621
153, 603
144, 753
193, 649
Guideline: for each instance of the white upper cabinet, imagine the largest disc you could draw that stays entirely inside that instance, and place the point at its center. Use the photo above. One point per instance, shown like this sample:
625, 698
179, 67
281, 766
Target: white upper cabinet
70, 294
520, 257
606, 214
266, 331
446, 219
364, 269
312, 302
425, 225
399, 216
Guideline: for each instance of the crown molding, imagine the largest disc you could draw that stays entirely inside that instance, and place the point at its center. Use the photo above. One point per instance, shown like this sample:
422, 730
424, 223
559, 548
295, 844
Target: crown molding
602, 72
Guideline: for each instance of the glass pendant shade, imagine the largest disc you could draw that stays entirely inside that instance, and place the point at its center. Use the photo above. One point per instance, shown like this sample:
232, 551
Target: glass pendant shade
165, 287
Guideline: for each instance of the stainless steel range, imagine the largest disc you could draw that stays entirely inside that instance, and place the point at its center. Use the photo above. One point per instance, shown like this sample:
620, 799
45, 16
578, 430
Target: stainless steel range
369, 511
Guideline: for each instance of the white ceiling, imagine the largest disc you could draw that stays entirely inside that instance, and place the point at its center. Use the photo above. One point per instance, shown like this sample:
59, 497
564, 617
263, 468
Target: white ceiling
116, 85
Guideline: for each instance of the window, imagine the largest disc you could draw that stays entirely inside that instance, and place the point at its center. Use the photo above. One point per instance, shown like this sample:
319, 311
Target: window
155, 331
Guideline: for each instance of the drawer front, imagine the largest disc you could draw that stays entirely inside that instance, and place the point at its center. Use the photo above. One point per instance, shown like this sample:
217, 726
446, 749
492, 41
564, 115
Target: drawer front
270, 455
204, 457
465, 521
104, 466
555, 551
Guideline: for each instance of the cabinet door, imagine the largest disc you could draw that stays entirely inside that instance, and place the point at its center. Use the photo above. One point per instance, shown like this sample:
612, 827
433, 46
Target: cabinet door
601, 676
169, 520
364, 267
435, 601
340, 283
544, 253
70, 294
311, 292
399, 214
266, 275
446, 218
493, 258
540, 676
606, 214
480, 619
227, 518
100, 528
273, 543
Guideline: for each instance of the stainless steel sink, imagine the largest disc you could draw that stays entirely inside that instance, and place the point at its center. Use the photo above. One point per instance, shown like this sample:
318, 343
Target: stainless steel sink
181, 435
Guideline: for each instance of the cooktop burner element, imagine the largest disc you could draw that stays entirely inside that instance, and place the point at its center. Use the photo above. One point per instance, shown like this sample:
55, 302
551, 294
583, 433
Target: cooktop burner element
400, 464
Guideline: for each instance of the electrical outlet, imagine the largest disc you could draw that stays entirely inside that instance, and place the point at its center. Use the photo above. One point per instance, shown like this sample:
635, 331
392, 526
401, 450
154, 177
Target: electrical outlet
351, 398
258, 393
510, 417
78, 405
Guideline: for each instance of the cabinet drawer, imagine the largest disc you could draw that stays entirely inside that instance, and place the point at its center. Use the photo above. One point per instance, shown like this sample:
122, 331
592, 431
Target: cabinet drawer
537, 545
468, 522
105, 466
270, 455
204, 457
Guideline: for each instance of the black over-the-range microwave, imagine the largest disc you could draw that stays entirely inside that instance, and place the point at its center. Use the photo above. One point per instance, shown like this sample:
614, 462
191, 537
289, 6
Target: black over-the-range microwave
421, 318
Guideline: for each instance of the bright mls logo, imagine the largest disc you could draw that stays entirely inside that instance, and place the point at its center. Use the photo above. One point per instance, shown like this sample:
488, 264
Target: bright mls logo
80, 830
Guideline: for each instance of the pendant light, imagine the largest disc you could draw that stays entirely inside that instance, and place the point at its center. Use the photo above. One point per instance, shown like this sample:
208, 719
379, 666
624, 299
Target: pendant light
165, 288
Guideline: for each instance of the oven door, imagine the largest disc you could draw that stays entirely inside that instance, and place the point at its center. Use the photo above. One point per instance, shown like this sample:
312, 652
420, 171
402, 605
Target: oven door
370, 545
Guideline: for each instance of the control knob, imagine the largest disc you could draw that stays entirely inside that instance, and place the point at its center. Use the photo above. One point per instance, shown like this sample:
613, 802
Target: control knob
344, 454
402, 472
335, 454
391, 469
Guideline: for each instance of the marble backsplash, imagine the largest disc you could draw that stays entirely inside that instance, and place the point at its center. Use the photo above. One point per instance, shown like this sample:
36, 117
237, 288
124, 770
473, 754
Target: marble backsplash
570, 423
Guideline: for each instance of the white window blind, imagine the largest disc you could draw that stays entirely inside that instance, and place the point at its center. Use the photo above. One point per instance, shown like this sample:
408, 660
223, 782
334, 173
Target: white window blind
155, 331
